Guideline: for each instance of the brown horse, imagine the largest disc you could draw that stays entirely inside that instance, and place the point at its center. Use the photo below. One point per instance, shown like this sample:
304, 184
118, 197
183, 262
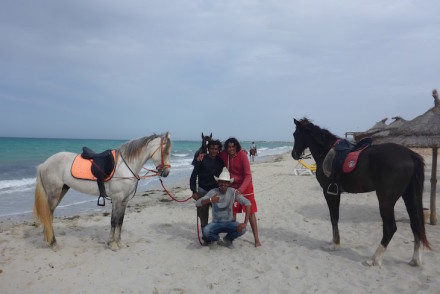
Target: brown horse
389, 169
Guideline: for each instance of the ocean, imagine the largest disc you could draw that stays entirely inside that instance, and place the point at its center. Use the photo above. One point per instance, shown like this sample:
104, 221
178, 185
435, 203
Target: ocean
20, 157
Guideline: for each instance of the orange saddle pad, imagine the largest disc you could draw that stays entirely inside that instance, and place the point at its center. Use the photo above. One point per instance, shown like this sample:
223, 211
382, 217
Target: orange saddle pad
82, 168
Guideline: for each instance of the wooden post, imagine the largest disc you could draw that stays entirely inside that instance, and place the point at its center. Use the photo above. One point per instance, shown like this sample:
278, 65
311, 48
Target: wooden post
433, 218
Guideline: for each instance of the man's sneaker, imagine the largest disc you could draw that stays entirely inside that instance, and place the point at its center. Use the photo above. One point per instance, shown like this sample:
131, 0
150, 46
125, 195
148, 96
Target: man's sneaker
225, 242
213, 245
206, 243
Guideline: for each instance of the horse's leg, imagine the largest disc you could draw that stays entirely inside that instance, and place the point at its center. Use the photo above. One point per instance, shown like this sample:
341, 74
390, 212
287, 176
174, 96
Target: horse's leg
47, 197
117, 218
333, 202
54, 198
389, 227
417, 224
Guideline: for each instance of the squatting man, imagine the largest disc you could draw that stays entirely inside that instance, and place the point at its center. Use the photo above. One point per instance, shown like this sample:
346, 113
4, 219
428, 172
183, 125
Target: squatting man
222, 200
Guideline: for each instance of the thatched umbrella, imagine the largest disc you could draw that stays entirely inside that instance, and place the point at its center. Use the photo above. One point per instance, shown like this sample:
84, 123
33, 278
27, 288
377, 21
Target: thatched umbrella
382, 135
379, 126
421, 132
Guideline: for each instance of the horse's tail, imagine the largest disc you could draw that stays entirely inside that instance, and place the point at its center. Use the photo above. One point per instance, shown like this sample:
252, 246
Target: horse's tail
41, 209
413, 197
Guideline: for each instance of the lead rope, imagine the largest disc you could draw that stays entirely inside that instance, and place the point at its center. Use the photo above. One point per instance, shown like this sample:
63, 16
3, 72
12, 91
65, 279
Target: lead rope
184, 200
198, 230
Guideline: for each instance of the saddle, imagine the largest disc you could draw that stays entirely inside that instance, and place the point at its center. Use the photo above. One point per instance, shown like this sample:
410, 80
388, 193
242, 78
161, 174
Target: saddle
342, 159
93, 166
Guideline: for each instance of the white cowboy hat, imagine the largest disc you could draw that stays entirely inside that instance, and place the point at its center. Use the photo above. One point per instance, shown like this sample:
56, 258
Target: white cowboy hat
224, 176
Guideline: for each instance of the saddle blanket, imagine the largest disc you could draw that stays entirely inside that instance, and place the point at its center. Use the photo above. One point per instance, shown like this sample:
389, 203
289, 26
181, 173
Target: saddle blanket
82, 168
351, 161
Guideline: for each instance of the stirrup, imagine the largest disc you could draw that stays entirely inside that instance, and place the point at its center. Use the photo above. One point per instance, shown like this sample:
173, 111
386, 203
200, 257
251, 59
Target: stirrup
333, 189
101, 201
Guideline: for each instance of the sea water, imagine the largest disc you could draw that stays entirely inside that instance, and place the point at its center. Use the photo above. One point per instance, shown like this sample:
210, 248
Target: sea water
20, 157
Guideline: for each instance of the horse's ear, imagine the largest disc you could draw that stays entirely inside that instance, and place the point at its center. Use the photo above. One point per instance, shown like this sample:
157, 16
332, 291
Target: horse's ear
167, 136
296, 122
203, 137
210, 136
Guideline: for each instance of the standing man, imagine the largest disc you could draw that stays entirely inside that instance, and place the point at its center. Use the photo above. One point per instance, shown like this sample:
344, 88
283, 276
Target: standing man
237, 162
204, 171
222, 199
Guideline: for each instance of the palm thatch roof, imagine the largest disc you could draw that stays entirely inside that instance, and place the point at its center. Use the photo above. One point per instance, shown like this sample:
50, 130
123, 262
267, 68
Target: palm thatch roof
421, 132
379, 126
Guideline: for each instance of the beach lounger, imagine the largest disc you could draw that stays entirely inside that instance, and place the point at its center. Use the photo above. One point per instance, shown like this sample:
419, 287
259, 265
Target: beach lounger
305, 169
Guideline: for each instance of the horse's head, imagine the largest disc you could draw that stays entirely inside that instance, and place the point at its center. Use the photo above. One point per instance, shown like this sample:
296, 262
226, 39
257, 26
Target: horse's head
308, 135
161, 157
300, 143
205, 142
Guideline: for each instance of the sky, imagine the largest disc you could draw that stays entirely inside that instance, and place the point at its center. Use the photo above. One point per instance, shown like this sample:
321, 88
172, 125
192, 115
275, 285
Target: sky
110, 69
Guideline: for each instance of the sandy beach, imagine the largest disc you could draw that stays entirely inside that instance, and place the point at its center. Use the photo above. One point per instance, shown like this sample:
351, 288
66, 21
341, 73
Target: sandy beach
163, 254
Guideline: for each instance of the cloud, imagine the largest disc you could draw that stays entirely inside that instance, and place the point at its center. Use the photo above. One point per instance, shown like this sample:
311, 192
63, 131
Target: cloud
241, 68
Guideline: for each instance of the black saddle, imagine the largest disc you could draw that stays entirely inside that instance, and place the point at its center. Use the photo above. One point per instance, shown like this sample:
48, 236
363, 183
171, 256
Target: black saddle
102, 166
362, 144
90, 154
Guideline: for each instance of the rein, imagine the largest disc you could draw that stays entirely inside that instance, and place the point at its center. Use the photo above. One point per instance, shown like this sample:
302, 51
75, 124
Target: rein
156, 172
145, 176
184, 200
171, 196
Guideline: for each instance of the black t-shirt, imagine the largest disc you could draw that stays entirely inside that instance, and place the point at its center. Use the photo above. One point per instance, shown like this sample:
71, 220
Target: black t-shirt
205, 171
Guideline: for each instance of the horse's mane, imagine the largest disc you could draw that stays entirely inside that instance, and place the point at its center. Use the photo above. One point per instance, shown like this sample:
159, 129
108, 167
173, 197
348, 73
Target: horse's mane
132, 149
322, 136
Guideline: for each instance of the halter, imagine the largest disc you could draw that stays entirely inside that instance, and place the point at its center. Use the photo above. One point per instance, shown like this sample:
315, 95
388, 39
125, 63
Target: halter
146, 175
162, 164
155, 172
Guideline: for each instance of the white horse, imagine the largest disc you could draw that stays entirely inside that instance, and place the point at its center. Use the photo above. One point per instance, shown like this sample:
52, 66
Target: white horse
54, 179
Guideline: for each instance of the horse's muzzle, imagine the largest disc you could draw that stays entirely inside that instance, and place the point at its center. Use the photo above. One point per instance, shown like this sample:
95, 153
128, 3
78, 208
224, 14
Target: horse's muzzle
164, 172
295, 155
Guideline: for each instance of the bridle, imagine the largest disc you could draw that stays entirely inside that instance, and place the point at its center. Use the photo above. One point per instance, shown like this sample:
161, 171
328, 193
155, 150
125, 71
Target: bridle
147, 175
162, 164
159, 167
319, 155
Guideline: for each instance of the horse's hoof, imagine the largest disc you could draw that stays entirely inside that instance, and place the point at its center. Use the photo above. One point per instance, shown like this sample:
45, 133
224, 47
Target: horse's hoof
113, 246
372, 262
121, 244
55, 247
334, 247
415, 262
